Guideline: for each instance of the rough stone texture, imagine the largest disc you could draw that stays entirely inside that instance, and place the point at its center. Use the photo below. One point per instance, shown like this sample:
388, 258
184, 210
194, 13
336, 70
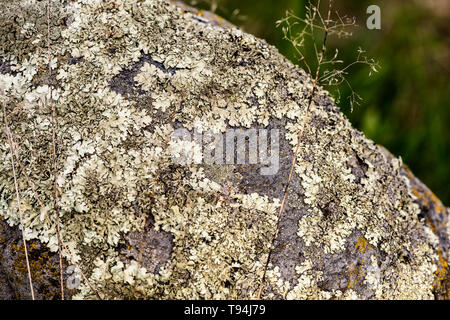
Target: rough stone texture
13, 273
357, 223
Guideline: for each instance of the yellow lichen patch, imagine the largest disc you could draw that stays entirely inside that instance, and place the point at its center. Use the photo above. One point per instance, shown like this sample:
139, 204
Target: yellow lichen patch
431, 224
362, 245
423, 194
43, 267
441, 284
438, 206
420, 195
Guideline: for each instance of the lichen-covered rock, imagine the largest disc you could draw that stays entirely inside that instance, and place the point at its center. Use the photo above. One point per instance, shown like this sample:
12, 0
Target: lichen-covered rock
13, 271
126, 75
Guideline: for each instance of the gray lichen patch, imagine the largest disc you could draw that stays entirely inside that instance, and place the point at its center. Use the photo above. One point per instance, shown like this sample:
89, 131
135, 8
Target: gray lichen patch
127, 74
144, 71
22, 27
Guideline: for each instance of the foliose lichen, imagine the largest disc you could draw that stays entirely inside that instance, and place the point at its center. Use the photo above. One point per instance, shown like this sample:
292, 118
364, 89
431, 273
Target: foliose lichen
360, 233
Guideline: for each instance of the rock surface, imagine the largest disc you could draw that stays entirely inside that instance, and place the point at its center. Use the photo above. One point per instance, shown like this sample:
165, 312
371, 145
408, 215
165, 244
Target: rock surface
126, 74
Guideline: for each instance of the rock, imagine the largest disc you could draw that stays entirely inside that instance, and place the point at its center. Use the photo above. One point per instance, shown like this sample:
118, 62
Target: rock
13, 271
129, 75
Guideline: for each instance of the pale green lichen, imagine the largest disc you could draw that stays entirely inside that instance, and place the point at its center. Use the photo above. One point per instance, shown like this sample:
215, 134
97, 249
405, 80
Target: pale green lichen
115, 156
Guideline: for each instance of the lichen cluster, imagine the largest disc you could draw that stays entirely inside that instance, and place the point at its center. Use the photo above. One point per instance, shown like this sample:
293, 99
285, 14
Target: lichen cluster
125, 73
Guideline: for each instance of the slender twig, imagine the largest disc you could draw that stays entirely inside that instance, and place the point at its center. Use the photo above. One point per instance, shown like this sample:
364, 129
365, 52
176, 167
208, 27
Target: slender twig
22, 168
81, 271
61, 243
16, 186
300, 136
30, 183
55, 185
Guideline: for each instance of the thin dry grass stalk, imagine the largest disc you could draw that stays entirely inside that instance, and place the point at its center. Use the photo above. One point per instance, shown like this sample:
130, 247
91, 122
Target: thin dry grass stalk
16, 186
300, 136
30, 183
55, 186
61, 243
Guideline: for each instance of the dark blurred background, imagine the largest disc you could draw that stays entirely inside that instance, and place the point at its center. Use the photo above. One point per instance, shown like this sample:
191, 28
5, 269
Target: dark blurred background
405, 105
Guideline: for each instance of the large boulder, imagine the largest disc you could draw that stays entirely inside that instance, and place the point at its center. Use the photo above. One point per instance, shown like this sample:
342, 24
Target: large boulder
141, 220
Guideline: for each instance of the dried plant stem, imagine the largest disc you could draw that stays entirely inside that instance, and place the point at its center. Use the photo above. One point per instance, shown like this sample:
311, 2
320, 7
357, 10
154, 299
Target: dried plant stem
300, 136
16, 186
22, 168
61, 243
55, 186
81, 271
27, 178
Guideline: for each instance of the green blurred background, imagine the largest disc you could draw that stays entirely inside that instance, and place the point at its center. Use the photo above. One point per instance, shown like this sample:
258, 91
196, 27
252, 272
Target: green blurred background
405, 105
